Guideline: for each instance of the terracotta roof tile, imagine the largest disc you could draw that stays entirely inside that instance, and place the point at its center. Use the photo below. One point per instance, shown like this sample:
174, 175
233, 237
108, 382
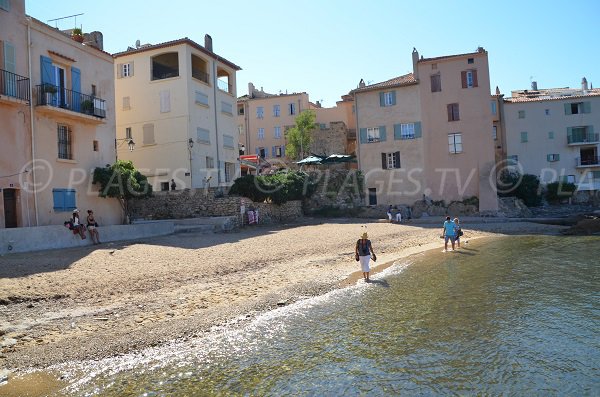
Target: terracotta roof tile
542, 98
407, 79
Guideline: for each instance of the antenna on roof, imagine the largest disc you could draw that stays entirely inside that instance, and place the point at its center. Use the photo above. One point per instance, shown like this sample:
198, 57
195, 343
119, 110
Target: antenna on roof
55, 20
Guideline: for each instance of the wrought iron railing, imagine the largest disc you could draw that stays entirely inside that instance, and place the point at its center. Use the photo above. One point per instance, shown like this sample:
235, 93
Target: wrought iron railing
583, 137
51, 95
224, 86
13, 85
586, 161
200, 75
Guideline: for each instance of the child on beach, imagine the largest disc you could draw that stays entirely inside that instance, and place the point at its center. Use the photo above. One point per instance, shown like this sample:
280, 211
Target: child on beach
364, 250
458, 232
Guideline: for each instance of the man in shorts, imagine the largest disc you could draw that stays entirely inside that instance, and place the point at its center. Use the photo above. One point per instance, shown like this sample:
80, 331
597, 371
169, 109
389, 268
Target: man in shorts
449, 230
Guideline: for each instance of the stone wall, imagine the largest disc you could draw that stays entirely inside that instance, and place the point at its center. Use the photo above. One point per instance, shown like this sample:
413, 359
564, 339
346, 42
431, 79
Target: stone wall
269, 214
332, 140
336, 188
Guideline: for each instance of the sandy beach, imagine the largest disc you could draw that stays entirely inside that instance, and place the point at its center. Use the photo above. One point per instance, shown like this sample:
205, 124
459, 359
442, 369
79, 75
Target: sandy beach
101, 301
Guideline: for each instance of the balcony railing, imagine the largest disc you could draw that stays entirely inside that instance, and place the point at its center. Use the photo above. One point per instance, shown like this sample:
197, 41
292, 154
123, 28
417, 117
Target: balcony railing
13, 85
583, 137
200, 75
224, 86
51, 95
587, 161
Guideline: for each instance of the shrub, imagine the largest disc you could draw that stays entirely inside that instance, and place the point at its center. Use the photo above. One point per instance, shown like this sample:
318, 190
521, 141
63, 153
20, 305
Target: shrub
276, 188
557, 191
526, 187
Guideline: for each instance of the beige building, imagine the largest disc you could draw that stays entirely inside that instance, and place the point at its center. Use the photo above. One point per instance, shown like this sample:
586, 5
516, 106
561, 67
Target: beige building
68, 129
264, 118
176, 102
554, 133
429, 133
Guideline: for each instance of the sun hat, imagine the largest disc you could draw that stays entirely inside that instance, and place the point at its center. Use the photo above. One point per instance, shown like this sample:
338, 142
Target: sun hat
76, 211
364, 235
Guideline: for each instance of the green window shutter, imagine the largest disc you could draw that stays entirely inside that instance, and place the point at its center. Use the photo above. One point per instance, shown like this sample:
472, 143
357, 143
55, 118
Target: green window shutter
590, 131
587, 107
381, 99
5, 5
557, 157
397, 132
418, 133
363, 135
384, 161
397, 159
548, 157
394, 98
569, 134
568, 108
382, 134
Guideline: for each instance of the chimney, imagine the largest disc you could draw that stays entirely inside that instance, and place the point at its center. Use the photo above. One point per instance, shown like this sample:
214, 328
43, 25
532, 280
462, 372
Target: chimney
584, 86
251, 90
534, 86
415, 59
361, 83
208, 42
497, 90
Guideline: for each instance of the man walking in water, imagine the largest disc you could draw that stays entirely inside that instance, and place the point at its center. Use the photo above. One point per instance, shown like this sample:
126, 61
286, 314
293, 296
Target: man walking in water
449, 233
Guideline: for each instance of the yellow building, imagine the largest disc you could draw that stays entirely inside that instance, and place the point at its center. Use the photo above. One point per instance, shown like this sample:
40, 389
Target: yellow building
176, 102
68, 129
429, 133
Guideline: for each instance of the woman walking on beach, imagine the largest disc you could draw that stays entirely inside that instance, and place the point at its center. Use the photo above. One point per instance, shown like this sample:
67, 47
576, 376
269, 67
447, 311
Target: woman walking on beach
363, 252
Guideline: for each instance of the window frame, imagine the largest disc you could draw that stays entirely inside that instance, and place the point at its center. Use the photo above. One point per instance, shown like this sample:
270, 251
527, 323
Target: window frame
405, 132
455, 146
260, 112
453, 110
436, 82
276, 110
277, 132
65, 142
388, 98
260, 134
375, 137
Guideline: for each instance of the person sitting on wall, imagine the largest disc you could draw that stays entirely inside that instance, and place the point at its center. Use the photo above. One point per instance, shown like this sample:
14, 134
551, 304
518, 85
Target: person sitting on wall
398, 214
389, 214
78, 227
92, 227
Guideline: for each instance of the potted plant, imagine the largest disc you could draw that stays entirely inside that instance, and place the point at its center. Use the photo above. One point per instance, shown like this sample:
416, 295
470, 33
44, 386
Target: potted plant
77, 35
87, 106
48, 90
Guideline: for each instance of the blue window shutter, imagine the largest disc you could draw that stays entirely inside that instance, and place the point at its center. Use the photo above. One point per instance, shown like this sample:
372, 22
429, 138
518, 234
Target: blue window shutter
10, 62
381, 99
418, 133
363, 135
382, 134
58, 198
393, 97
397, 132
47, 71
587, 107
273, 151
569, 134
568, 108
70, 199
257, 152
282, 150
76, 88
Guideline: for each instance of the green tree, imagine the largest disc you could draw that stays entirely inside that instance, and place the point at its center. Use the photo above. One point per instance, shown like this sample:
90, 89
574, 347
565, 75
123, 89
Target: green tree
123, 182
299, 137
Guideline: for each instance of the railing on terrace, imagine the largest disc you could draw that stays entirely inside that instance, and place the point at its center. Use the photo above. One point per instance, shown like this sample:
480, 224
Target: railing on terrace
587, 161
200, 75
585, 137
51, 95
224, 86
13, 85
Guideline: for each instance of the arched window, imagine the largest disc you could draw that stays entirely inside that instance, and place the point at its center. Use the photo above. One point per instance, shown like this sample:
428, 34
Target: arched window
165, 66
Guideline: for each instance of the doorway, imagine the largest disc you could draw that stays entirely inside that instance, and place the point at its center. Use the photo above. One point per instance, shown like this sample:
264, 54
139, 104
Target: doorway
372, 196
589, 156
10, 207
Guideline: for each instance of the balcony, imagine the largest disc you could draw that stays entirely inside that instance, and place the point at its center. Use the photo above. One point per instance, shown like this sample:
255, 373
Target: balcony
14, 87
200, 75
582, 138
70, 102
224, 86
588, 161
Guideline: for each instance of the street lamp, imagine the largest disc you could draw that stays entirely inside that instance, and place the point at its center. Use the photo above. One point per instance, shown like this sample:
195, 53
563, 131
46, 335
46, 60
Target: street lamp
130, 144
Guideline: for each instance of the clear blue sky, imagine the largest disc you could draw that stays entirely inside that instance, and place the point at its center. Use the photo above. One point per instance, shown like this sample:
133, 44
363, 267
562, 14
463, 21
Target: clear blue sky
324, 47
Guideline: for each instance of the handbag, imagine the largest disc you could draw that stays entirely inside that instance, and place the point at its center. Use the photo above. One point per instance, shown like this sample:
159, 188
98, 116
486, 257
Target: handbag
374, 257
356, 257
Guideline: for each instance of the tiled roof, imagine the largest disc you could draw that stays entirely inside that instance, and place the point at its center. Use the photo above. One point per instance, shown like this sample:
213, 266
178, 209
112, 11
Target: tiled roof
542, 98
407, 79
172, 43
452, 56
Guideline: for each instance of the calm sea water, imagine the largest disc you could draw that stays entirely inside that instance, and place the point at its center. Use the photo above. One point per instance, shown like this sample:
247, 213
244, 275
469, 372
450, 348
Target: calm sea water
512, 316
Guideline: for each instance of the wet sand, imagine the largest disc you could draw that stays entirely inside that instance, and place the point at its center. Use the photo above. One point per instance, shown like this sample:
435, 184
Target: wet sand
96, 302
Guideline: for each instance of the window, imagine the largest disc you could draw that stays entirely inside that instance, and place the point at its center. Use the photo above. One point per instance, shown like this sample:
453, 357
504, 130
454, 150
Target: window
455, 143
577, 108
241, 110
276, 110
64, 200
277, 132
260, 112
550, 134
434, 66
228, 142
210, 163
407, 131
5, 5
64, 142
390, 160
165, 101
292, 108
373, 134
278, 151
469, 78
165, 66
164, 186
521, 114
372, 196
148, 130
495, 132
95, 145
470, 60
494, 108
201, 98
261, 134
453, 114
128, 133
595, 175
125, 70
229, 171
227, 108
387, 98
93, 90
262, 152
199, 69
436, 82
553, 157
203, 135
524, 136
547, 112
126, 103
570, 178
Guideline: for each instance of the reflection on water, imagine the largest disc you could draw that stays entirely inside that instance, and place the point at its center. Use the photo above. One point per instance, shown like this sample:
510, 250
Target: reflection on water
516, 315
